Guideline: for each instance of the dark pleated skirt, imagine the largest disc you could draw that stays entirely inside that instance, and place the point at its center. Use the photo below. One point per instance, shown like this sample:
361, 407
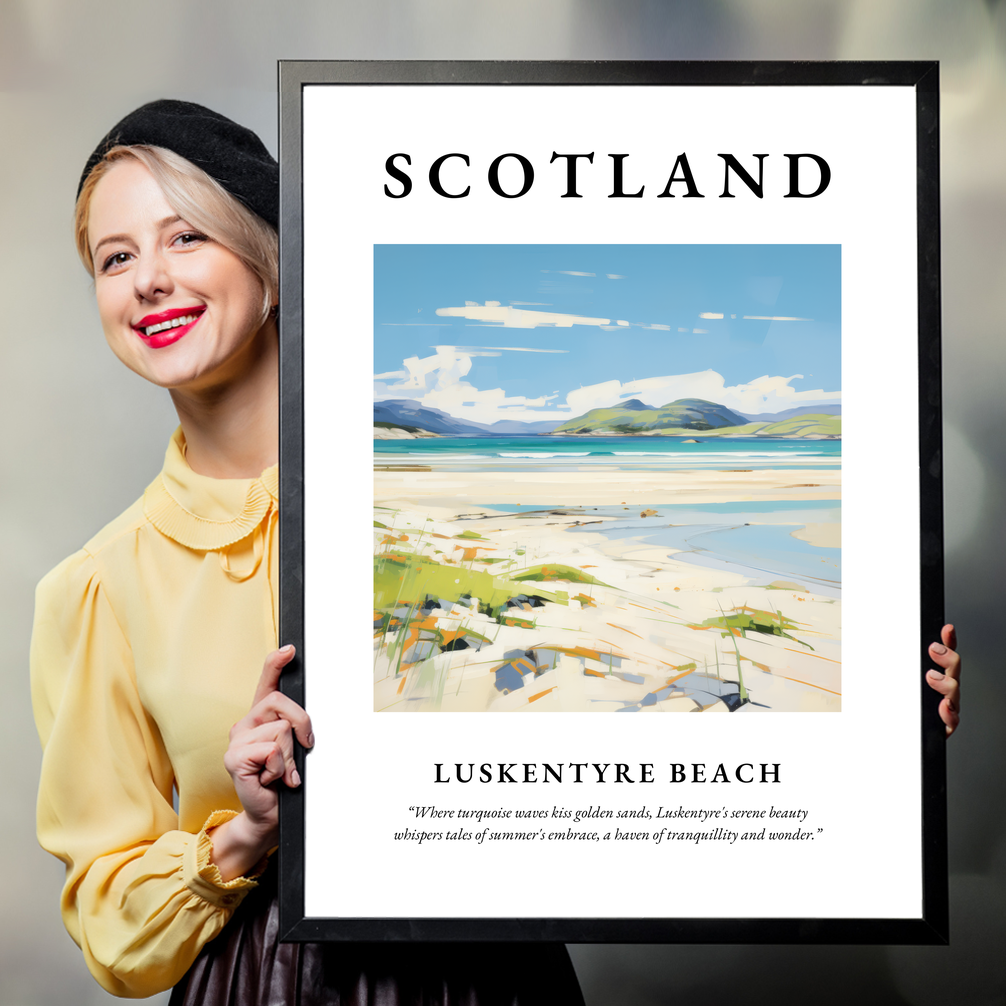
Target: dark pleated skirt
246, 965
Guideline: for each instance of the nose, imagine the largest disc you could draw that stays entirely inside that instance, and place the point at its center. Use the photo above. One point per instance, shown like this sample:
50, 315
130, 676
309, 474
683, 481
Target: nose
152, 276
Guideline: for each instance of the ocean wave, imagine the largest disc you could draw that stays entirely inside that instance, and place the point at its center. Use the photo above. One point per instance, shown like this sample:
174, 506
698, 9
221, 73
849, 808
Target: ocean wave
432, 455
718, 454
538, 454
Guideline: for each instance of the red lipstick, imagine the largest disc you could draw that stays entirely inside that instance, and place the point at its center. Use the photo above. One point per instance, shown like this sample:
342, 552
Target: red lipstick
166, 327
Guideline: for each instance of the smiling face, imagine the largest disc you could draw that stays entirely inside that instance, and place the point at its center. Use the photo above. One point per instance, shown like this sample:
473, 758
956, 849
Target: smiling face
177, 307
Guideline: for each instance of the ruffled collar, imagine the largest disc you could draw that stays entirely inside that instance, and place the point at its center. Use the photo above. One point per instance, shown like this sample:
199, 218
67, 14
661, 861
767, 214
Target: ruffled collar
203, 513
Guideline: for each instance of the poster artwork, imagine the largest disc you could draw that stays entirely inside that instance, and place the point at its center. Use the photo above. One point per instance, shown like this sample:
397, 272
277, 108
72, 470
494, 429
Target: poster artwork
607, 478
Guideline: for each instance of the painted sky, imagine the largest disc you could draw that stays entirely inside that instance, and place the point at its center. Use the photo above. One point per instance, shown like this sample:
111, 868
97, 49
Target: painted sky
532, 332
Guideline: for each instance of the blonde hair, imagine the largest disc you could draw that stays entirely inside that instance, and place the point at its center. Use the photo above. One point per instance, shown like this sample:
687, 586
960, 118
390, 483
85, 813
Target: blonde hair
199, 200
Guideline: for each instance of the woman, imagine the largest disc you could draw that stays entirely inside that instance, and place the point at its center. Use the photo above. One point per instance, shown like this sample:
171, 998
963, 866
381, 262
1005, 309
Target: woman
148, 643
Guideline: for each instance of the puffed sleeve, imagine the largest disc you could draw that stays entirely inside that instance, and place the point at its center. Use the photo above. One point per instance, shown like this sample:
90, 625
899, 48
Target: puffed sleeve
141, 897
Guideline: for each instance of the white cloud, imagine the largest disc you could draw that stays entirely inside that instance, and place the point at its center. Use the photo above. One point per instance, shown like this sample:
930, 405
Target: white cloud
439, 381
496, 350
767, 317
492, 314
515, 317
765, 394
710, 315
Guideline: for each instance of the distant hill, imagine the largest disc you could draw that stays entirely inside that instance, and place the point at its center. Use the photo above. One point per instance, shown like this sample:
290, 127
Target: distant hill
806, 424
408, 414
686, 415
801, 410
635, 417
818, 426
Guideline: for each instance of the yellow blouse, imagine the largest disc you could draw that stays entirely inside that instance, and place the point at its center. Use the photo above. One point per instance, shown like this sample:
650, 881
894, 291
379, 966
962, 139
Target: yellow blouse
147, 647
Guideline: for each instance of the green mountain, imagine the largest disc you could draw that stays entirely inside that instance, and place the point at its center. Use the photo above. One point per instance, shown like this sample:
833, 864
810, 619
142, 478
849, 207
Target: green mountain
807, 425
635, 417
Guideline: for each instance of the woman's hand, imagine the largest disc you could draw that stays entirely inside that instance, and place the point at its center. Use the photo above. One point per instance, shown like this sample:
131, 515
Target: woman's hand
947, 682
260, 753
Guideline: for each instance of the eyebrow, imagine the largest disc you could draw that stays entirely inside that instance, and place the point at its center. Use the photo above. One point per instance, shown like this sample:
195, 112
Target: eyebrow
111, 238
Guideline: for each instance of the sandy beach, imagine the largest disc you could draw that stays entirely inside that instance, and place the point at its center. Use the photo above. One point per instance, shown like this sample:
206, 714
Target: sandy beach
605, 486
545, 609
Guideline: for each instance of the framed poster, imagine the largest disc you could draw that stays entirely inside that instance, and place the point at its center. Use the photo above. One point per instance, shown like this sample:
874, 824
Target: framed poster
654, 351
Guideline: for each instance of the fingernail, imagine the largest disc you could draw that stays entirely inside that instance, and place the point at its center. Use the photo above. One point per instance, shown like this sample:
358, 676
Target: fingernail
295, 777
938, 648
310, 740
936, 675
287, 649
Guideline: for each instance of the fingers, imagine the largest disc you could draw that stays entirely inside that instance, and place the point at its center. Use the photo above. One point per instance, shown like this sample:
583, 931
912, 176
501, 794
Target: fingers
949, 711
949, 636
270, 756
950, 716
270, 703
947, 680
949, 688
271, 671
945, 655
279, 764
265, 751
261, 749
948, 660
277, 706
262, 761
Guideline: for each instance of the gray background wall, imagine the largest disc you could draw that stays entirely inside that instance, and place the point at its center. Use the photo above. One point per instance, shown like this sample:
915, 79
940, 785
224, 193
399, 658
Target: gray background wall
82, 436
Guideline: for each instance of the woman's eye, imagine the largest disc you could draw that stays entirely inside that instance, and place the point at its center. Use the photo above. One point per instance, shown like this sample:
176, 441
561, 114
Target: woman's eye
114, 261
190, 238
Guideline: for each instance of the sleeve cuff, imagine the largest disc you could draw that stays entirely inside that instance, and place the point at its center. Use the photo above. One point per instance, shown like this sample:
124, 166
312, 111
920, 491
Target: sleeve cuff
202, 876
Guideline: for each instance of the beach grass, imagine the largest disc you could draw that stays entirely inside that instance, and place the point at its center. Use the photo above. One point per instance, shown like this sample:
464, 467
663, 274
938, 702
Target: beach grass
488, 610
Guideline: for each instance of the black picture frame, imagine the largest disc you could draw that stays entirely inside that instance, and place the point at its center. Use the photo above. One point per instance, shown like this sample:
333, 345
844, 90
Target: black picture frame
931, 927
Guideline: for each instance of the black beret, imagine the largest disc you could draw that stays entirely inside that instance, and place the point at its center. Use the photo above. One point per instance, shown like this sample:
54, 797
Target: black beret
230, 154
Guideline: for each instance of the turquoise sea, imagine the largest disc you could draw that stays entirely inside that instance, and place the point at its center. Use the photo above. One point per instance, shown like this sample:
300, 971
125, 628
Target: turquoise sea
548, 453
